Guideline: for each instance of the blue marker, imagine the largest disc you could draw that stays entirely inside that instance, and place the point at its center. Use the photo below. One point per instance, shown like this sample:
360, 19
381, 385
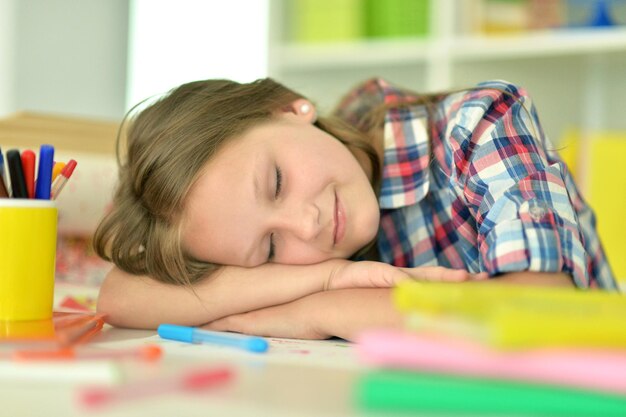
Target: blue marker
44, 173
2, 165
194, 335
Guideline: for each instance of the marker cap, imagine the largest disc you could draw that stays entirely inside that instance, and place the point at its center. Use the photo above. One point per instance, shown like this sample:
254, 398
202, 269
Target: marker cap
257, 344
173, 332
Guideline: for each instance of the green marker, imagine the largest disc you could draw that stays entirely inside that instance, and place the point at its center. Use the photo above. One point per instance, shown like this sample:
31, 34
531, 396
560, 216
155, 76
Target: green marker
417, 392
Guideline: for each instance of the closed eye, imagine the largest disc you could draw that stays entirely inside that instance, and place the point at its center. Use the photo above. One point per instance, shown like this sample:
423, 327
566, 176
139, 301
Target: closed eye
279, 186
271, 254
279, 181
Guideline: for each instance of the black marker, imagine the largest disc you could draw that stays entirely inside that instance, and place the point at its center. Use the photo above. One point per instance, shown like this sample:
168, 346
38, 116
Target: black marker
18, 183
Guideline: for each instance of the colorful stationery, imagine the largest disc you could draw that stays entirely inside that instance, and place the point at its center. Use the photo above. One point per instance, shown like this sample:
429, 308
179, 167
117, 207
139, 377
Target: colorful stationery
194, 335
62, 179
51, 176
429, 393
62, 331
479, 299
600, 370
187, 381
56, 170
44, 173
16, 172
2, 174
510, 316
146, 353
4, 193
28, 165
106, 372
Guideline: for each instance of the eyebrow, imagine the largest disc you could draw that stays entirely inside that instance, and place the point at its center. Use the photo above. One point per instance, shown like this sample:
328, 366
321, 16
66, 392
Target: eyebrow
257, 186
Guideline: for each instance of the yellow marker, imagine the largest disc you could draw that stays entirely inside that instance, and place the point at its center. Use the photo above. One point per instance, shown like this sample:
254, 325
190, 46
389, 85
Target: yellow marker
477, 298
56, 170
513, 316
512, 328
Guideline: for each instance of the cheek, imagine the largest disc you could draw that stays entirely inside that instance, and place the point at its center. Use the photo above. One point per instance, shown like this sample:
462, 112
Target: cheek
194, 245
301, 254
369, 220
372, 224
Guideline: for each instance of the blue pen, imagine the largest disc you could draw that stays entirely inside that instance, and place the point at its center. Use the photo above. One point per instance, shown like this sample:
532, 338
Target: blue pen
2, 165
44, 173
194, 335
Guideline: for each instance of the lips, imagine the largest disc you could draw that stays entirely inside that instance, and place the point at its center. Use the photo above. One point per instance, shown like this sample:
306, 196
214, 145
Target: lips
340, 221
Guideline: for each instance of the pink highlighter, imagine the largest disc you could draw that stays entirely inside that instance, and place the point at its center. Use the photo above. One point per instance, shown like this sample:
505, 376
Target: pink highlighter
594, 369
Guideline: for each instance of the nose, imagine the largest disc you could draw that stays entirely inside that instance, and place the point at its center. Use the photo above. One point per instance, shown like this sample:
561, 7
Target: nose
299, 220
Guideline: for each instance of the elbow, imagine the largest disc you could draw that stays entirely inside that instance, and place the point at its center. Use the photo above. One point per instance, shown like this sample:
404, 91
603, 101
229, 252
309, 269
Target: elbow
109, 305
113, 301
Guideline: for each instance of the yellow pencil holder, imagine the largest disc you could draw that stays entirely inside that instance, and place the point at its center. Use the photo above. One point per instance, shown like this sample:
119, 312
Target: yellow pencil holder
28, 236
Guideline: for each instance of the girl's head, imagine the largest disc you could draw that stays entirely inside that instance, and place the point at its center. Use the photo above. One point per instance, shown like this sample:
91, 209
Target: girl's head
222, 173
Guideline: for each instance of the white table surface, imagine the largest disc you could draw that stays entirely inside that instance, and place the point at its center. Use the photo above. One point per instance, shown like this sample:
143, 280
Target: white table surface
294, 378
291, 379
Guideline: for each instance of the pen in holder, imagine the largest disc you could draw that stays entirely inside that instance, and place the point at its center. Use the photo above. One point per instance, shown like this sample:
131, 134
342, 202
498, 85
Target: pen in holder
27, 255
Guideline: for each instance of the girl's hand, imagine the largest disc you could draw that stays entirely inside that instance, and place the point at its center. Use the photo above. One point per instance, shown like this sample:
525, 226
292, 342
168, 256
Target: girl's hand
294, 320
440, 273
342, 313
367, 274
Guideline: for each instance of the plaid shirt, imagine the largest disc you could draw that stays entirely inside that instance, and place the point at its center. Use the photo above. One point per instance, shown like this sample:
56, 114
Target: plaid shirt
487, 192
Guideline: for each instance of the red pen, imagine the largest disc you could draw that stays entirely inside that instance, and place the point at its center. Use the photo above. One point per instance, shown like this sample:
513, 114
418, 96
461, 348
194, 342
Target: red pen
28, 167
62, 179
187, 381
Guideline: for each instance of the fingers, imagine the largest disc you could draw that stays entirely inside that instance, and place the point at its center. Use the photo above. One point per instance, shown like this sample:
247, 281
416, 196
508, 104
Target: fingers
366, 274
440, 273
481, 276
437, 273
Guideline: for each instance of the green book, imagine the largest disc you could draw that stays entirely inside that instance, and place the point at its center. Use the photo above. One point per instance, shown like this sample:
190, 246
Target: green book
313, 21
387, 390
397, 18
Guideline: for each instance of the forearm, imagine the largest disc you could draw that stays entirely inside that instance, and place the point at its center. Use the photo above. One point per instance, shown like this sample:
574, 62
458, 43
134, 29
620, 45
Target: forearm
346, 313
141, 302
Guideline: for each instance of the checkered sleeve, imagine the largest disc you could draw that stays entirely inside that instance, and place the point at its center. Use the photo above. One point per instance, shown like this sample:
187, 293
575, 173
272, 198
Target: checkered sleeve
528, 212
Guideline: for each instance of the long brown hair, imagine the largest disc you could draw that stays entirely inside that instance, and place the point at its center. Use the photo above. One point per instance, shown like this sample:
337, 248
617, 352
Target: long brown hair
166, 146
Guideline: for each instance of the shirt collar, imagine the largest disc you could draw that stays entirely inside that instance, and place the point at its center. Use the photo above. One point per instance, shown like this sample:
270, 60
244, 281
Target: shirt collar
405, 179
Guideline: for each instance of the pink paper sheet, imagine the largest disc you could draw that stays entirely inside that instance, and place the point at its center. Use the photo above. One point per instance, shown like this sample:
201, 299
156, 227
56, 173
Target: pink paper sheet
603, 370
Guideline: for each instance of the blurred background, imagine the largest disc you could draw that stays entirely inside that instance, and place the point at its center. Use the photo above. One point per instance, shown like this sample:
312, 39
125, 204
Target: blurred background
76, 66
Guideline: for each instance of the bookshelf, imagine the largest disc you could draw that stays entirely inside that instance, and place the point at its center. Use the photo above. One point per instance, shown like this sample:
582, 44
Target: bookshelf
585, 58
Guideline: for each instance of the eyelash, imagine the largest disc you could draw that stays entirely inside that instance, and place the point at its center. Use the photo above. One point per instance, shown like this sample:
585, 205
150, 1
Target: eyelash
279, 181
279, 184
270, 256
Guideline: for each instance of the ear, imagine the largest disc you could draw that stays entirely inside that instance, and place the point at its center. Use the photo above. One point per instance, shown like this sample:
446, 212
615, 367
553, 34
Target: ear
302, 110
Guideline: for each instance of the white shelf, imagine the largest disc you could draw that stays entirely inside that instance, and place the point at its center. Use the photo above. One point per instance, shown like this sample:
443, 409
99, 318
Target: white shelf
540, 44
294, 57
